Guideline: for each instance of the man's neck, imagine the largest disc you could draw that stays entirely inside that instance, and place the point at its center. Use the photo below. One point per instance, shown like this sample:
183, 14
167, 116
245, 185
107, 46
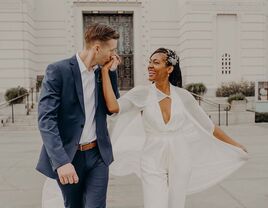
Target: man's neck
87, 59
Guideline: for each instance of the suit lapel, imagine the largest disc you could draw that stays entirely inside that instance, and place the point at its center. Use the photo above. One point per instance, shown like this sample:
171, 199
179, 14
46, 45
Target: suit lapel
78, 81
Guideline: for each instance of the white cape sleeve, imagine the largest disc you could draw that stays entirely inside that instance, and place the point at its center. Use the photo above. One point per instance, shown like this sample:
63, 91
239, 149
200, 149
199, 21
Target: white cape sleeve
127, 132
212, 159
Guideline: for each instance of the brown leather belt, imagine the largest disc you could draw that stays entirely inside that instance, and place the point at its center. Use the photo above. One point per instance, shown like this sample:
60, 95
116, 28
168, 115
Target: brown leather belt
85, 147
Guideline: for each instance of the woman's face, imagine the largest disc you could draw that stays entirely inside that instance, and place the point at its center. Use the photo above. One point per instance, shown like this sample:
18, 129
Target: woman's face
157, 68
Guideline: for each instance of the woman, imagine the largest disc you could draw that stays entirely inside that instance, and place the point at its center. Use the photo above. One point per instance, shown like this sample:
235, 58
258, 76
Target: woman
161, 134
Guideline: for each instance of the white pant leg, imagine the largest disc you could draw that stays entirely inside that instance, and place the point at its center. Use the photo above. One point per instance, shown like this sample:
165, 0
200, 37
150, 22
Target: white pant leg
178, 179
155, 190
179, 172
177, 189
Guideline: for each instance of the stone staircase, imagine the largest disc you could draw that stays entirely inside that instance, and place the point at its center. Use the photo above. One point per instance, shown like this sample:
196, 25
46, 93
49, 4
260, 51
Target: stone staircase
21, 122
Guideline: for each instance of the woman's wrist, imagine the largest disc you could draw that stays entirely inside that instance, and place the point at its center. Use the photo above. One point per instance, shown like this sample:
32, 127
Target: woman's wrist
105, 70
242, 147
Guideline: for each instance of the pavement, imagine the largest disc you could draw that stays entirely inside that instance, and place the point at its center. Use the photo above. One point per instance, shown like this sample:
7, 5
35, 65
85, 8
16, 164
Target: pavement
21, 185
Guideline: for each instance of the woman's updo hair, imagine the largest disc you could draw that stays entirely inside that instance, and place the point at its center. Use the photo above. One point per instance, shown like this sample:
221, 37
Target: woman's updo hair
172, 60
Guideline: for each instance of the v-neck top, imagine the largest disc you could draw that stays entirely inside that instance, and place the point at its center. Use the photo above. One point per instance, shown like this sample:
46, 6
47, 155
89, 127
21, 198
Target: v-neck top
152, 115
161, 96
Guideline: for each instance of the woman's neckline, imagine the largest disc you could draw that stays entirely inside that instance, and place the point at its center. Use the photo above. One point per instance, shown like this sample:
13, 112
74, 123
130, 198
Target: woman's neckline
160, 91
161, 95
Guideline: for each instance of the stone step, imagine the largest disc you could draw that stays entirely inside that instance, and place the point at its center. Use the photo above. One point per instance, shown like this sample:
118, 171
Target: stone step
30, 116
18, 127
4, 120
21, 119
21, 123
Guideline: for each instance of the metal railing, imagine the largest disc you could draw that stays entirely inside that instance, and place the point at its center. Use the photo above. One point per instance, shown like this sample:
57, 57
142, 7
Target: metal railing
29, 104
220, 107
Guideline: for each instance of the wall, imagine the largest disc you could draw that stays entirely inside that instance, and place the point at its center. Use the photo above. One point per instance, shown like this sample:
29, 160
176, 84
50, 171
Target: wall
17, 44
34, 33
198, 40
52, 33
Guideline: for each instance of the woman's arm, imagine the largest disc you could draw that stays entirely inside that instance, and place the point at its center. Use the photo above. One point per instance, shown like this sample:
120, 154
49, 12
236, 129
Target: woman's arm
109, 96
219, 134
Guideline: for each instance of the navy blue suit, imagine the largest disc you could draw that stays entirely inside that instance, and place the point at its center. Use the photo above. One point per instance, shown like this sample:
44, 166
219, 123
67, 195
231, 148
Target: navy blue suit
61, 118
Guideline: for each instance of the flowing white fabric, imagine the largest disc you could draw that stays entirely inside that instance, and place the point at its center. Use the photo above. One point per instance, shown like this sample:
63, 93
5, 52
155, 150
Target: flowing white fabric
135, 135
51, 195
181, 157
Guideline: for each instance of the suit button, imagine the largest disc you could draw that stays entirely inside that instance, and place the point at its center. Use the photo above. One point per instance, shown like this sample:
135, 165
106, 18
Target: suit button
82, 125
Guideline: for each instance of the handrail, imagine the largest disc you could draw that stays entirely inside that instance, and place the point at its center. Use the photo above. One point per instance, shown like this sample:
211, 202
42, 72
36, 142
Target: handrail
212, 102
14, 99
27, 105
201, 98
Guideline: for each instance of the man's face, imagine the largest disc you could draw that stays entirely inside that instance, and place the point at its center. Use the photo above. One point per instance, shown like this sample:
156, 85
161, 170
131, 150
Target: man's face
106, 51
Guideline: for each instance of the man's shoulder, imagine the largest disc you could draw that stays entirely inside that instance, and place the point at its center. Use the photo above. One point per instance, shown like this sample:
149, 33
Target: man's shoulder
63, 63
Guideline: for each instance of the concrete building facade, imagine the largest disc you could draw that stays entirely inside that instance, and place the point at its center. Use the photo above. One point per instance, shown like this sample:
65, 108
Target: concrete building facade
217, 40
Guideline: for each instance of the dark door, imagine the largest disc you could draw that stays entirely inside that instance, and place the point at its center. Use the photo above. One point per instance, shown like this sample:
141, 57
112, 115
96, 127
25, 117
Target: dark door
123, 23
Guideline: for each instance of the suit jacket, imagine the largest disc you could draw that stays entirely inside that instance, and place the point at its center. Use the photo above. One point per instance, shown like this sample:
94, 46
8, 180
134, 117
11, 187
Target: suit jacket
61, 115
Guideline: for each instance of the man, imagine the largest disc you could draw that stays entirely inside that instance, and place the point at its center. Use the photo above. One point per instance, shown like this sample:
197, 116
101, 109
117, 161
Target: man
72, 114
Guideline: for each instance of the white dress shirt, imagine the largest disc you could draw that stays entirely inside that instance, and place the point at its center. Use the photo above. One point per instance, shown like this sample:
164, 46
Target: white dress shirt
88, 83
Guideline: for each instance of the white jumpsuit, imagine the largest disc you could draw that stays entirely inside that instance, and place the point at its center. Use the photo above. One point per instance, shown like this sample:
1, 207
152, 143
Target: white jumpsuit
164, 160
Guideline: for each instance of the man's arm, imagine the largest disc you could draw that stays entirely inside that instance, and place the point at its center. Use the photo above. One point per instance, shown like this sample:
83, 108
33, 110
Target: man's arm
50, 100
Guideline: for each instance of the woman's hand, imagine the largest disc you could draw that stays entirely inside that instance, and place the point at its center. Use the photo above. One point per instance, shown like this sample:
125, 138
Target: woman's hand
112, 64
242, 147
107, 66
116, 61
219, 134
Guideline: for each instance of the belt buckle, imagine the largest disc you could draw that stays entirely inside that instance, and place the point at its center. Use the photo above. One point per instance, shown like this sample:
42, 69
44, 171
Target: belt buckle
80, 147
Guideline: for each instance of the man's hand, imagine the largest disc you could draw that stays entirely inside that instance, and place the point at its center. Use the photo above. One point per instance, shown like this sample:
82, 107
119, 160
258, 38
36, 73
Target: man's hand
67, 174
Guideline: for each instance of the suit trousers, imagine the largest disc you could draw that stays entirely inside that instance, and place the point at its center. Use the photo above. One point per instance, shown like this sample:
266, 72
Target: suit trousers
91, 190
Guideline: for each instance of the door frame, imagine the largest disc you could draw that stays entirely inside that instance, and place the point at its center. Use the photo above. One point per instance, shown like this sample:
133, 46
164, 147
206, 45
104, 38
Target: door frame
113, 7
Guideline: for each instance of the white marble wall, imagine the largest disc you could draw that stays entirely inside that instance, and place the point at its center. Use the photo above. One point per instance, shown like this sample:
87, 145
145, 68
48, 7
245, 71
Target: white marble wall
197, 40
52, 34
266, 38
196, 44
17, 44
34, 33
